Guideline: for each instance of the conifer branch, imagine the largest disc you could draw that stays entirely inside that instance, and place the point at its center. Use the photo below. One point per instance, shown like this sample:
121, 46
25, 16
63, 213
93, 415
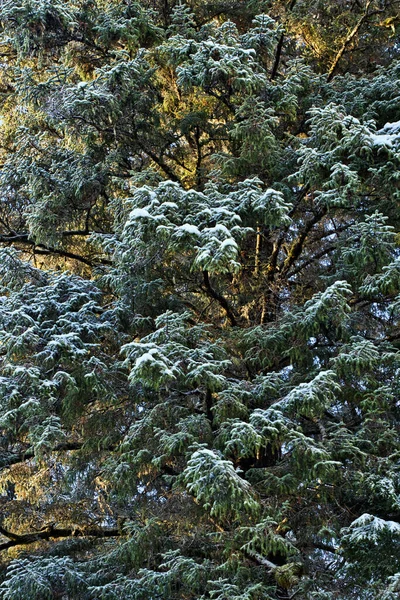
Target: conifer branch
351, 35
15, 458
50, 532
220, 299
39, 249
280, 47
161, 163
324, 547
315, 257
261, 560
23, 238
297, 247
8, 460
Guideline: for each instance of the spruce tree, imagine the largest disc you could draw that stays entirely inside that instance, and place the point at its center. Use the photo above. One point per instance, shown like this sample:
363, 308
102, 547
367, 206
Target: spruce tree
199, 300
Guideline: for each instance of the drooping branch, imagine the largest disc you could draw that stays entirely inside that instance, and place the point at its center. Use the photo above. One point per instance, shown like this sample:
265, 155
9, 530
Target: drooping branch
160, 162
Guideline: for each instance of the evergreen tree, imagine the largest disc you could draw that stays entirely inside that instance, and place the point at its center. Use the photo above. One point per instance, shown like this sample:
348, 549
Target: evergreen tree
199, 300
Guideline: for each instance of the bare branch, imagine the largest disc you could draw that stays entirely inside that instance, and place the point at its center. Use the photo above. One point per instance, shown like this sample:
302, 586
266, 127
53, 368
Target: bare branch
351, 35
50, 533
220, 299
261, 560
15, 458
280, 47
23, 238
297, 247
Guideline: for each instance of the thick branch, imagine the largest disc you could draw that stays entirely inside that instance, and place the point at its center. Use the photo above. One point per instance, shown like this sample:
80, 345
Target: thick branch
219, 298
209, 408
8, 460
261, 560
277, 57
160, 162
301, 194
297, 247
23, 238
50, 532
40, 249
280, 47
273, 261
316, 256
348, 41
324, 547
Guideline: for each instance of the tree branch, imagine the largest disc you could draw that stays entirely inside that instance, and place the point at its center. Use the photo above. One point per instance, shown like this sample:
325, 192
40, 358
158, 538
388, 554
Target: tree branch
50, 532
316, 256
348, 41
15, 458
324, 547
40, 249
160, 162
298, 245
220, 299
279, 47
23, 238
261, 560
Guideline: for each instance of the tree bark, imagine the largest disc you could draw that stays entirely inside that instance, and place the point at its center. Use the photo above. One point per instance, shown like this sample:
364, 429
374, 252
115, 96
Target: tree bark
50, 533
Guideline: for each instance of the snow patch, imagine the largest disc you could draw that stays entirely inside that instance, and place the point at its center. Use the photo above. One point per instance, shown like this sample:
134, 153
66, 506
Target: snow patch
137, 213
187, 228
387, 135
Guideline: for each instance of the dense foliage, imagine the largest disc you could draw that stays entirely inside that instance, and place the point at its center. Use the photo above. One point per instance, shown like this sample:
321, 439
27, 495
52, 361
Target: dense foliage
199, 300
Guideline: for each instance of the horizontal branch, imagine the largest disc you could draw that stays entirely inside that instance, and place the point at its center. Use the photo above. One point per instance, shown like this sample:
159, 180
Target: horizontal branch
23, 238
51, 532
15, 458
325, 547
8, 460
39, 249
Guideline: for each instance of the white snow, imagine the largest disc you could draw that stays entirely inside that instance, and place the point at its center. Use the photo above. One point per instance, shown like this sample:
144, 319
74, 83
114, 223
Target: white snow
387, 135
370, 527
139, 212
187, 228
228, 242
383, 139
218, 227
392, 127
147, 357
170, 205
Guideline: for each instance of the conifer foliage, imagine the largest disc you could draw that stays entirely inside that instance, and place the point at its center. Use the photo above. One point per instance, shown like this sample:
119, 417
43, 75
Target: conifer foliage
199, 300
